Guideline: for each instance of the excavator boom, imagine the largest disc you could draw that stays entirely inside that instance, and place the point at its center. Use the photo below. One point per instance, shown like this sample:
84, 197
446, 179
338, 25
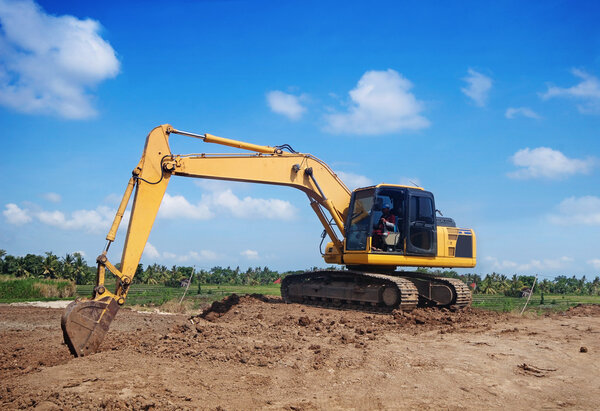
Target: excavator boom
85, 322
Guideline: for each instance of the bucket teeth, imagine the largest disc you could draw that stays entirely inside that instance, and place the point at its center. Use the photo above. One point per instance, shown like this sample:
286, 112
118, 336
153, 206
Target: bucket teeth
85, 323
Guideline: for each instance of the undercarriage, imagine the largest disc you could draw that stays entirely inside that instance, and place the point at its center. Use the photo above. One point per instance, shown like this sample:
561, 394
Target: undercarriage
366, 291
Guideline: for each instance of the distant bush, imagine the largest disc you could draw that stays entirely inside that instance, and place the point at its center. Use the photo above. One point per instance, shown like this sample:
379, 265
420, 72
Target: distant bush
513, 293
508, 306
62, 289
33, 288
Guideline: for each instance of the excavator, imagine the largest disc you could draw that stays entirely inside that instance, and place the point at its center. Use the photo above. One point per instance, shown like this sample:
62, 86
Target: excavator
369, 279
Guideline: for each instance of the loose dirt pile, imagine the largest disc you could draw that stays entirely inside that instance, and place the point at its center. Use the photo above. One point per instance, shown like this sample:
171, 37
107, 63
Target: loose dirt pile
584, 310
257, 352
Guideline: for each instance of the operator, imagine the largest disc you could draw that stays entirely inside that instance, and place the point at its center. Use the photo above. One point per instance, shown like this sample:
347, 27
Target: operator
386, 222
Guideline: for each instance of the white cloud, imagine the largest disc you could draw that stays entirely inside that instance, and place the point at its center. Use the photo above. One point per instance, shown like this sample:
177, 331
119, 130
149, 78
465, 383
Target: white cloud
544, 162
93, 221
500, 265
353, 181
595, 263
250, 254
286, 104
16, 215
225, 201
478, 87
249, 207
150, 251
88, 220
513, 112
588, 91
113, 199
200, 256
178, 207
546, 264
52, 197
578, 210
380, 103
529, 266
174, 207
49, 63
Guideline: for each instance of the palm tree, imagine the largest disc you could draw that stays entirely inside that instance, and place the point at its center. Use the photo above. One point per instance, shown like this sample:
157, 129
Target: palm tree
21, 270
50, 265
595, 286
153, 274
67, 267
80, 269
582, 286
516, 286
544, 285
503, 283
487, 285
2, 254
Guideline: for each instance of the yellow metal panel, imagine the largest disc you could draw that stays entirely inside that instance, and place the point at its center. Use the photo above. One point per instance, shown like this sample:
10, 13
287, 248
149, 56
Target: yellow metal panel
147, 199
403, 260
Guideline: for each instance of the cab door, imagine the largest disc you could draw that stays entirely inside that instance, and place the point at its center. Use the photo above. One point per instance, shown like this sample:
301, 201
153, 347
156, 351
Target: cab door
421, 231
359, 220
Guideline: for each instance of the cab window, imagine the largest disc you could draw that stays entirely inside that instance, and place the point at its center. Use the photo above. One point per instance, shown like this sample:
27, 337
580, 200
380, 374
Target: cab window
421, 227
359, 220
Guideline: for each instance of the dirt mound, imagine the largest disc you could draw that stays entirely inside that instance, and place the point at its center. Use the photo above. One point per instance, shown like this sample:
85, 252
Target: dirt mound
261, 331
218, 308
585, 310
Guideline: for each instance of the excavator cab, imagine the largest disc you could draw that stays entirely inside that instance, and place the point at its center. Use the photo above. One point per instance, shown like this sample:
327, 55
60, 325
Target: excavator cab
414, 232
419, 237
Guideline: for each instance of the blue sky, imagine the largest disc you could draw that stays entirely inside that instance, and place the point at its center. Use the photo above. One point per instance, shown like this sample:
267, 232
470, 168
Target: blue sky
494, 107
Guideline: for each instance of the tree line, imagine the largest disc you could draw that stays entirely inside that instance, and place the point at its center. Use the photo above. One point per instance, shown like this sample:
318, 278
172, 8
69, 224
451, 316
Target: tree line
514, 285
73, 267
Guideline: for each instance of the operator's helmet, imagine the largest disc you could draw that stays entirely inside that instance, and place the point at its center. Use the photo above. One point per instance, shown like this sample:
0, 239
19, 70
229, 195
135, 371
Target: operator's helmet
387, 205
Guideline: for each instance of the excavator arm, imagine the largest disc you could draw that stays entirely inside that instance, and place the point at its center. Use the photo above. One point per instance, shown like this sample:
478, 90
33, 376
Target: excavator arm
85, 322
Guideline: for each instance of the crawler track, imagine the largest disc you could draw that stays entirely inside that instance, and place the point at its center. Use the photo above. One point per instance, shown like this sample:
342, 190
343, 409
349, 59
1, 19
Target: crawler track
439, 291
463, 294
352, 290
364, 291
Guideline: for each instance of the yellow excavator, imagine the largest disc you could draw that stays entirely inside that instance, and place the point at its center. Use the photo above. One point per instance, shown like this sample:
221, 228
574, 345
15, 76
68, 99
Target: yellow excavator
364, 240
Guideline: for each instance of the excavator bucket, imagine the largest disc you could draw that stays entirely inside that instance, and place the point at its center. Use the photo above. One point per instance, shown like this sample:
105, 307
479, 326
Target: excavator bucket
85, 323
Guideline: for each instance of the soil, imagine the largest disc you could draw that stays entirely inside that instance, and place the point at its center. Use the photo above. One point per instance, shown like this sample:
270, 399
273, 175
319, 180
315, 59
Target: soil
257, 352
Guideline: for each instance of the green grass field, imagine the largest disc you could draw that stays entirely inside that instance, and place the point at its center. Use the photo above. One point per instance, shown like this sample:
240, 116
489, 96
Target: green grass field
141, 294
34, 289
157, 295
552, 302
147, 294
